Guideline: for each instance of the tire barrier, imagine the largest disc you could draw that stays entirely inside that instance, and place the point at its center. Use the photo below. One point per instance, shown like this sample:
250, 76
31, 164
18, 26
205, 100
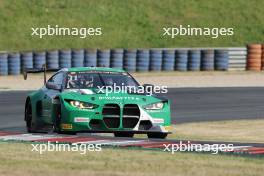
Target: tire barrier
90, 58
116, 60
194, 60
221, 60
39, 58
207, 60
14, 64
103, 58
168, 61
237, 59
77, 58
143, 60
3, 64
65, 58
181, 60
130, 60
26, 60
52, 59
254, 57
155, 60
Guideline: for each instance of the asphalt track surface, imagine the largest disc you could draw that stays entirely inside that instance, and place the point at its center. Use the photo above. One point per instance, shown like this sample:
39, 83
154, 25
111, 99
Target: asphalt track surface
188, 105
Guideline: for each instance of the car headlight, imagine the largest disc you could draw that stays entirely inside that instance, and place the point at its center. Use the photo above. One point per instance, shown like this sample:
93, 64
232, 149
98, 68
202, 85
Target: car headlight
82, 105
155, 106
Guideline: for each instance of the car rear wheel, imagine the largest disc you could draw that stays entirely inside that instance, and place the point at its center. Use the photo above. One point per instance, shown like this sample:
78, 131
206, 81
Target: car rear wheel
123, 134
157, 135
28, 117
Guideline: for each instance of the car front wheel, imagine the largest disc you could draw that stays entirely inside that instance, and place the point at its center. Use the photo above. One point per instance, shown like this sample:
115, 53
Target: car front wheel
57, 127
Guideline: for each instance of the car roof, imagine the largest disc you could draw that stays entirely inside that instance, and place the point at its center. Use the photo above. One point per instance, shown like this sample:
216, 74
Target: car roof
102, 69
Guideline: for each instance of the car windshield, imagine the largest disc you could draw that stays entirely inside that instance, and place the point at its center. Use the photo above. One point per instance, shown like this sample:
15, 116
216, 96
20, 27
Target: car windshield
89, 80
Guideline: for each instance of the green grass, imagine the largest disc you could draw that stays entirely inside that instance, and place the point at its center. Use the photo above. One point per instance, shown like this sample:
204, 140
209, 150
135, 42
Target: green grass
17, 159
127, 23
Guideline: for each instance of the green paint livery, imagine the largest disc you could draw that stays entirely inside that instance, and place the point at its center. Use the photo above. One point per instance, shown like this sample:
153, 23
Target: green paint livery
71, 102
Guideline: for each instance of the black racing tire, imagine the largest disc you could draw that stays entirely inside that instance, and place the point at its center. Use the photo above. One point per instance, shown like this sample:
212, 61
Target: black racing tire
124, 134
57, 122
157, 135
57, 127
28, 117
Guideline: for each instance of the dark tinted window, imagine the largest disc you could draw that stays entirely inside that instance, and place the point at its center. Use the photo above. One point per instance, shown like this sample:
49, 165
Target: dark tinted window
86, 80
57, 79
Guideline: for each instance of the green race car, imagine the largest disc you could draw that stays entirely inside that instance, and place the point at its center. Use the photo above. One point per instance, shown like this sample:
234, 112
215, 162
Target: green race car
93, 99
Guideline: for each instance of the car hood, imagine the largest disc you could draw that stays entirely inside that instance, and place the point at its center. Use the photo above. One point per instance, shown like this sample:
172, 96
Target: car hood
103, 98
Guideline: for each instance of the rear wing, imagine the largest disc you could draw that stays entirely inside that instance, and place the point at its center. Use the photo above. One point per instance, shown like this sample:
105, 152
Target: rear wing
38, 70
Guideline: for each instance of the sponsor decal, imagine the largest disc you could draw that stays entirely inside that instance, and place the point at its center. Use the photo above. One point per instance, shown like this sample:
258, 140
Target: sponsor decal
118, 98
167, 128
158, 120
81, 119
66, 126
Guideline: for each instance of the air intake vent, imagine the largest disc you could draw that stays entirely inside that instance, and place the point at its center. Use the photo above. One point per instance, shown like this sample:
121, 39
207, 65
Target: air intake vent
145, 125
111, 115
131, 114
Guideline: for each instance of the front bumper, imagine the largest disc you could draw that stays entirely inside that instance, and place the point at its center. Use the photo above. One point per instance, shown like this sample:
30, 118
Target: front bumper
96, 120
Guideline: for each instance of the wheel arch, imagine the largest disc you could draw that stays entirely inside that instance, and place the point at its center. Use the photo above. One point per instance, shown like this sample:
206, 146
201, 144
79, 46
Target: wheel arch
57, 104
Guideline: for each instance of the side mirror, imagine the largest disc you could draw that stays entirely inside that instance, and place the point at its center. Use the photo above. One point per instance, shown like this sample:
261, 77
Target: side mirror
51, 85
148, 88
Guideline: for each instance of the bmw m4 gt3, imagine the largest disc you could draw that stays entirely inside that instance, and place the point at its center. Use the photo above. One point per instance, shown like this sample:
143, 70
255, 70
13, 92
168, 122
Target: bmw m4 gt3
78, 100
